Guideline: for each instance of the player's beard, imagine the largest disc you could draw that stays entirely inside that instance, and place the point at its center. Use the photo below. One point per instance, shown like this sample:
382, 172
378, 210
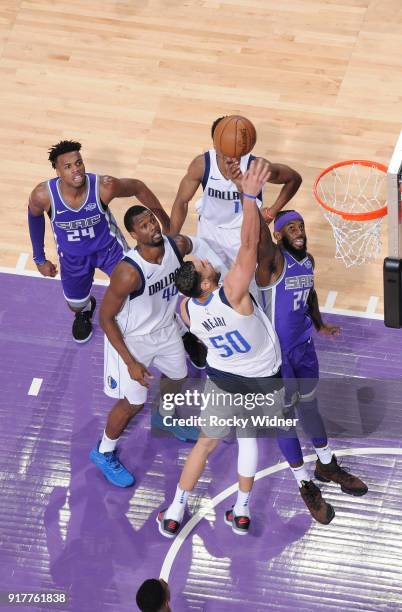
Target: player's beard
298, 254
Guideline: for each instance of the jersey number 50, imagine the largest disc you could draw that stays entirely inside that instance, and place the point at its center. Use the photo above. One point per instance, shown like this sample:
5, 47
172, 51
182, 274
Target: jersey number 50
236, 343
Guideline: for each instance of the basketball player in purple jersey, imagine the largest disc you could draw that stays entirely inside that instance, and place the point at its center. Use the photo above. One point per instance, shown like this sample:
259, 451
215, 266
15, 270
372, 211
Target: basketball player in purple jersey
85, 231
285, 277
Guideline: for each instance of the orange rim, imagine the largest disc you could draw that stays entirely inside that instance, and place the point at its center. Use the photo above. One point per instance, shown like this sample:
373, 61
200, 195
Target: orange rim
365, 216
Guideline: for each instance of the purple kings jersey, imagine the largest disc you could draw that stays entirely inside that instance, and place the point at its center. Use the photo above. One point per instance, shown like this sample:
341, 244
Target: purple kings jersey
84, 230
285, 302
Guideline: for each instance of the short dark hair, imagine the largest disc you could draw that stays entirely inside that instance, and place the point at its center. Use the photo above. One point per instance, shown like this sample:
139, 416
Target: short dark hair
131, 214
215, 123
188, 280
151, 596
64, 146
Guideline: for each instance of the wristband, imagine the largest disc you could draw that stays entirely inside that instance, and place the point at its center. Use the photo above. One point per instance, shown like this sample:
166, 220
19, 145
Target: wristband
247, 195
37, 232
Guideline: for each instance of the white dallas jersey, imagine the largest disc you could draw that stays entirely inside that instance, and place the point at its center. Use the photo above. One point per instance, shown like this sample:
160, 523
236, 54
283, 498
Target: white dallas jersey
220, 203
153, 305
245, 345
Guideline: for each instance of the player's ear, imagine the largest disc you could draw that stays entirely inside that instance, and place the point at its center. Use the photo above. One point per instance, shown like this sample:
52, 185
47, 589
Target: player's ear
133, 235
277, 236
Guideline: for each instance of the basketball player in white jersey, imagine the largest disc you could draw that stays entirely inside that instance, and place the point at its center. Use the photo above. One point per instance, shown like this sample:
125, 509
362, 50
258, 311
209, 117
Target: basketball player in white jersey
220, 209
243, 353
138, 317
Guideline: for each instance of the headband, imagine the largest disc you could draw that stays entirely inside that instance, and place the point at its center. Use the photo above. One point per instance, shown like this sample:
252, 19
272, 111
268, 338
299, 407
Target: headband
292, 215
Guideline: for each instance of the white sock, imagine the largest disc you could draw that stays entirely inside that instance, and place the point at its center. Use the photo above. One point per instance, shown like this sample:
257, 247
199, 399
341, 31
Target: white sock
241, 506
178, 505
165, 411
324, 454
107, 445
300, 473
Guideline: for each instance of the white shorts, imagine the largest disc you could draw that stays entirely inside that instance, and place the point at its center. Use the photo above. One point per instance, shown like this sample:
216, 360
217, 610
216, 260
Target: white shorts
225, 242
163, 349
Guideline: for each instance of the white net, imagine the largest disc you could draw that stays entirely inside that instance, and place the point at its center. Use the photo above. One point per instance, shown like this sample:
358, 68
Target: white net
354, 188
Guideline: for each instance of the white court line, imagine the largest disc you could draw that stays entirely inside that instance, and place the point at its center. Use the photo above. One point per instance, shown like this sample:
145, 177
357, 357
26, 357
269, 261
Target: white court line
362, 314
35, 386
22, 262
188, 527
36, 274
331, 299
328, 310
372, 304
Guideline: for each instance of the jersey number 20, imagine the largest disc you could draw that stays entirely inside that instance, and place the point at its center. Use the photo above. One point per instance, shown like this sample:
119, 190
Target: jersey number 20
235, 343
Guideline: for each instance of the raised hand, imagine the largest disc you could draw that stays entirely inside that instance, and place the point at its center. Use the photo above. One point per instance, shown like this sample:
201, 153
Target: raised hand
255, 177
233, 171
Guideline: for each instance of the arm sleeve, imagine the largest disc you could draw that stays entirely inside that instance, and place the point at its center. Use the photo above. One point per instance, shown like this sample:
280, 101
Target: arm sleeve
37, 234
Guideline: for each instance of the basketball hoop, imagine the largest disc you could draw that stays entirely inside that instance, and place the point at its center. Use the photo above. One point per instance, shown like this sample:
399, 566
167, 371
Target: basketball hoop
353, 196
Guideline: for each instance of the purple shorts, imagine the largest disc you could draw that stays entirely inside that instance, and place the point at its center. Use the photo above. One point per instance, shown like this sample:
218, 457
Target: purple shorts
300, 370
77, 273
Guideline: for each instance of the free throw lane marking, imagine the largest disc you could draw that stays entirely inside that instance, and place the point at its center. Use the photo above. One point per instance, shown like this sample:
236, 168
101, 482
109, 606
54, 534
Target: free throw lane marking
372, 304
22, 262
189, 526
35, 386
331, 299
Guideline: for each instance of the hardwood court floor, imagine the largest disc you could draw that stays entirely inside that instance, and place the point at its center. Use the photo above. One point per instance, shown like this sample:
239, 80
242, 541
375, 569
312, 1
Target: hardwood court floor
140, 82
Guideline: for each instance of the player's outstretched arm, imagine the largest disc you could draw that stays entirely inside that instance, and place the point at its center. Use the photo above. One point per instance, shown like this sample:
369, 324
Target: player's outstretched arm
123, 281
270, 260
187, 188
38, 204
237, 281
291, 180
111, 187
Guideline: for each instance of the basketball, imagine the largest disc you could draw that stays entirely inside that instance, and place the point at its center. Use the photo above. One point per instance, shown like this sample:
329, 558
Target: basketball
234, 136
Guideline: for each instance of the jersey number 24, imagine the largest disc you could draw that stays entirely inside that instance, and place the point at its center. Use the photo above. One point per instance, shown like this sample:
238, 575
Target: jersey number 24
300, 298
74, 235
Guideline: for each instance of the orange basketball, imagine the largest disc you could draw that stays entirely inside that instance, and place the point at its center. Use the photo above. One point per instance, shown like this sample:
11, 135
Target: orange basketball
234, 136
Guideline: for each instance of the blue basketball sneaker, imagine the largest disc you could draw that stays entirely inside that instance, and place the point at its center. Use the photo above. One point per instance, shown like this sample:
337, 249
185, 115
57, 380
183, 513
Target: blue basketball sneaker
185, 434
113, 470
